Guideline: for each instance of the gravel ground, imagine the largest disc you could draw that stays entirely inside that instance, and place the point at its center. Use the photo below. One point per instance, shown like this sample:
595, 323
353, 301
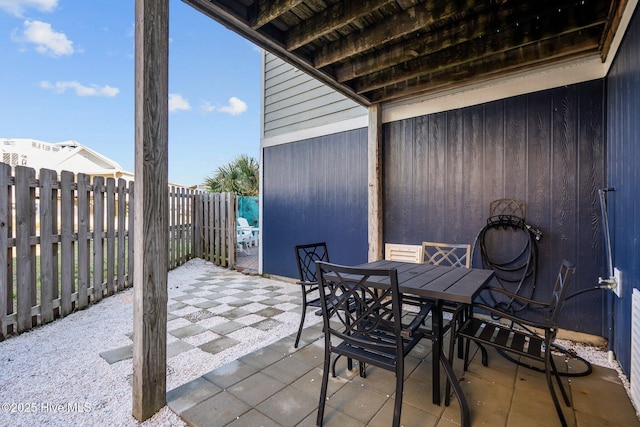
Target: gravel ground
54, 375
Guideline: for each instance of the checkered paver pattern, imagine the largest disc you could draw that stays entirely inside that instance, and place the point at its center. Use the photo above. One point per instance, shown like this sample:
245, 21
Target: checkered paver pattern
225, 314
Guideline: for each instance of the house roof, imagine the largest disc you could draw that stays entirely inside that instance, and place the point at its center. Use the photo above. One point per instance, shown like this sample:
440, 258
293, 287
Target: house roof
379, 51
68, 155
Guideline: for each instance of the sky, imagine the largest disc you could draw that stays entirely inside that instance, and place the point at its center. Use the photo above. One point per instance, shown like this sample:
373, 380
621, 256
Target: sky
67, 73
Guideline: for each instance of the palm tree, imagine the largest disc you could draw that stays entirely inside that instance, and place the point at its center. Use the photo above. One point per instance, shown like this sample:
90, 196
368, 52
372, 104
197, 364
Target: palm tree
240, 176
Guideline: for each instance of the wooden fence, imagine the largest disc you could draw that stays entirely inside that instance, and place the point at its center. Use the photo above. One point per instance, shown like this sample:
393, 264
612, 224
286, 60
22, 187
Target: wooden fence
215, 222
65, 243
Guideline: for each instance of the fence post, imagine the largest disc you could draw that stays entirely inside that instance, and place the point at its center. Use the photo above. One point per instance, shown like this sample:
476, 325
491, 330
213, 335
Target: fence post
6, 273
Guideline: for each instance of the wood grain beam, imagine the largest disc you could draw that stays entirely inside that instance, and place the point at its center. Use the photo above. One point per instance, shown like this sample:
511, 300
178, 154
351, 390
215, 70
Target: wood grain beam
401, 24
480, 70
615, 16
469, 28
268, 10
375, 221
472, 50
330, 19
151, 207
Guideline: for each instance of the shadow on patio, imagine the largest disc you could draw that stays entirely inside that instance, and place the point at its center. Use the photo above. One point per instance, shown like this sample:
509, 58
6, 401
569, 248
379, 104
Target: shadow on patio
279, 386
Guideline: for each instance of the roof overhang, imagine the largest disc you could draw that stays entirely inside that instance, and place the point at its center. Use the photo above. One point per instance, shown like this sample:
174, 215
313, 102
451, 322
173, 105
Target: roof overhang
383, 51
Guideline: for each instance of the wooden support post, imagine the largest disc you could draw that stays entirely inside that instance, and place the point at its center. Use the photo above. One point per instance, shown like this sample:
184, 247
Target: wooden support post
151, 207
375, 182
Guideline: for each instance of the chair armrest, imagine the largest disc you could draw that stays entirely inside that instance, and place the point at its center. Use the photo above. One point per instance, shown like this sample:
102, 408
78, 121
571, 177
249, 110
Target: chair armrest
418, 320
515, 319
517, 297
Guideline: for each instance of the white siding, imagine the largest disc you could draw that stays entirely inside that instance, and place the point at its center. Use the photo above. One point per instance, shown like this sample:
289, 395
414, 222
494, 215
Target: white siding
294, 101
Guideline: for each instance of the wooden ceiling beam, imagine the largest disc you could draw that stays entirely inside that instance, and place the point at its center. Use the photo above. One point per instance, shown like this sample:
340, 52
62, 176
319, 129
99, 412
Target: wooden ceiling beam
495, 44
615, 16
556, 50
403, 23
331, 19
268, 10
463, 31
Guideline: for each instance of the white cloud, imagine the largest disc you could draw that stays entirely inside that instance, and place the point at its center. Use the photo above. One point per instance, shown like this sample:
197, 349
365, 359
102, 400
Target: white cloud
80, 89
236, 106
47, 41
17, 7
177, 102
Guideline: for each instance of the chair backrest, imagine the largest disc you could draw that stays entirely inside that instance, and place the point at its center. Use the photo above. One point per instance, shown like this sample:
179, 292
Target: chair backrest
359, 301
243, 223
453, 254
404, 253
243, 236
306, 257
559, 293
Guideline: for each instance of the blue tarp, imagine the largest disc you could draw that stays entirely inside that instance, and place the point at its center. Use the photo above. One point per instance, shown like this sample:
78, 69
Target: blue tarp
248, 207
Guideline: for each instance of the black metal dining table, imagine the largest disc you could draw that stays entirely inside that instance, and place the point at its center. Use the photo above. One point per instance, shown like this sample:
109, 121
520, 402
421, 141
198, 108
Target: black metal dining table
439, 284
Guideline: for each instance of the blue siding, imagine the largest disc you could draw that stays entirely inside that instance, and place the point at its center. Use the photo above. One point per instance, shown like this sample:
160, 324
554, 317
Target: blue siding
315, 190
623, 115
442, 171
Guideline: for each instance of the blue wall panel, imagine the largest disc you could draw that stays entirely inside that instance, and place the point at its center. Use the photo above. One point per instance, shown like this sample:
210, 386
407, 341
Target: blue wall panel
315, 190
623, 117
442, 171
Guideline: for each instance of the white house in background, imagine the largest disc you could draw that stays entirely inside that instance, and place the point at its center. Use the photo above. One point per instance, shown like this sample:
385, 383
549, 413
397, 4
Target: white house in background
67, 155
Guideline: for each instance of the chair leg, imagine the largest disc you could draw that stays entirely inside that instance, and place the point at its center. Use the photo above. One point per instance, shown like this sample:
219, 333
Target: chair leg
397, 407
325, 382
465, 419
549, 365
362, 367
333, 365
485, 356
452, 345
302, 316
466, 355
465, 314
565, 396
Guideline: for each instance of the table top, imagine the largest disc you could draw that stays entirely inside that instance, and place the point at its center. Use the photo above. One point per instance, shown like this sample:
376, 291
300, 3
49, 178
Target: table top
455, 284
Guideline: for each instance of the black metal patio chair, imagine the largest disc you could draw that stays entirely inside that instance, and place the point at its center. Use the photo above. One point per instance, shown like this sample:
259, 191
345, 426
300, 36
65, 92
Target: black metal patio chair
520, 337
455, 255
306, 257
372, 332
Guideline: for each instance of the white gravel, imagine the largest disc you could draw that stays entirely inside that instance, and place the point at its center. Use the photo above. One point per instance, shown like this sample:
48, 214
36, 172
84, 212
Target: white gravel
54, 375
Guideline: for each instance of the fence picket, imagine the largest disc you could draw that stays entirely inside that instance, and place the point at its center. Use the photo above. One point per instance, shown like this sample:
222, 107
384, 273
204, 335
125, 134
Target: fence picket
48, 244
122, 231
83, 240
172, 226
98, 240
25, 217
67, 242
6, 273
130, 238
110, 194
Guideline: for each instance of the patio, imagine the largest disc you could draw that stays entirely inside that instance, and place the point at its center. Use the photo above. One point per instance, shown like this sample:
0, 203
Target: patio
279, 385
